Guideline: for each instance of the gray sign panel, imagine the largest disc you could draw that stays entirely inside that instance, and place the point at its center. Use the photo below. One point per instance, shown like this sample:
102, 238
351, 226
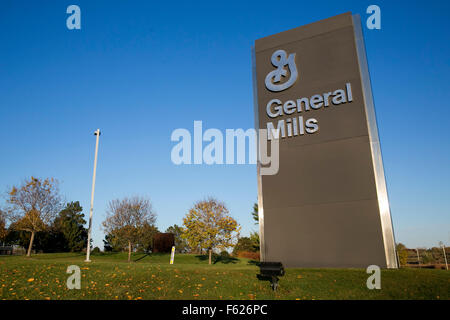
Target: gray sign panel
327, 206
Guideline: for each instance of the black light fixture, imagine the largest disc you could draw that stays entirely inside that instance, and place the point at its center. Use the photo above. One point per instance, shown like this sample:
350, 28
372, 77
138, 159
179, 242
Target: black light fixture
271, 271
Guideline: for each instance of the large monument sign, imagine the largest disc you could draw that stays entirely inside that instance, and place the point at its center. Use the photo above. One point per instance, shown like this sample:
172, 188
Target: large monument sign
327, 206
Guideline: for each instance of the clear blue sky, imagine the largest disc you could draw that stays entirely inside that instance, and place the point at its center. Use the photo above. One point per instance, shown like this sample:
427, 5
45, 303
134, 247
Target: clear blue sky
140, 69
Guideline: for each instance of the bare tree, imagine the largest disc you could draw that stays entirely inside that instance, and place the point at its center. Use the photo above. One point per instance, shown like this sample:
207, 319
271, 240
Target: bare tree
126, 220
3, 230
33, 205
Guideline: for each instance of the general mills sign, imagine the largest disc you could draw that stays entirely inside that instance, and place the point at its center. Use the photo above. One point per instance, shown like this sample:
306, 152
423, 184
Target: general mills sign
327, 206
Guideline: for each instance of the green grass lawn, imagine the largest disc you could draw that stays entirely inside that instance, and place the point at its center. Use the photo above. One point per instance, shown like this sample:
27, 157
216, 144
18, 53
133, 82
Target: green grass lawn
109, 276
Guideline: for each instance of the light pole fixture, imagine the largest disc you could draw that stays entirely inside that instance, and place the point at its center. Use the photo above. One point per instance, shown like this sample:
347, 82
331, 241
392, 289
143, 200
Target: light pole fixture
88, 249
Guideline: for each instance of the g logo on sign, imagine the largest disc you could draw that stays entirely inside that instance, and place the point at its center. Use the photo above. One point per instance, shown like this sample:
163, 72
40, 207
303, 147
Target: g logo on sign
280, 60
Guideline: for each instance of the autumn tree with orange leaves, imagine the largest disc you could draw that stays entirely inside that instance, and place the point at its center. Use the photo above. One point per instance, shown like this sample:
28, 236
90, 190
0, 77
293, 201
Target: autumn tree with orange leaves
208, 225
33, 205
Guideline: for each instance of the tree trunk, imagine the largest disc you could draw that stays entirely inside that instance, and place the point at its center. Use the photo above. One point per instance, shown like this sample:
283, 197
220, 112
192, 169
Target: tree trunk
210, 250
31, 244
129, 251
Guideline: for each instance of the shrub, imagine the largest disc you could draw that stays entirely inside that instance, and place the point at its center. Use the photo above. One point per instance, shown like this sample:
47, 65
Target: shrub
248, 255
163, 242
402, 254
96, 250
243, 244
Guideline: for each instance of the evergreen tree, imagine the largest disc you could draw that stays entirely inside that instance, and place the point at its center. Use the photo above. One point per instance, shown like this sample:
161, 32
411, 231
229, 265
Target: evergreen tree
70, 222
255, 213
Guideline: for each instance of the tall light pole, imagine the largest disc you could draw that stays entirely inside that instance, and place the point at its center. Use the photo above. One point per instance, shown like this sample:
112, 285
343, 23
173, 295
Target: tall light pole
88, 249
418, 258
445, 256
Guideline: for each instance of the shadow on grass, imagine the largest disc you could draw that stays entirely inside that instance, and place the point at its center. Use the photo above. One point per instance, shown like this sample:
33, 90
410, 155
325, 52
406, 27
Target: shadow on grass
152, 255
144, 255
254, 262
218, 258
